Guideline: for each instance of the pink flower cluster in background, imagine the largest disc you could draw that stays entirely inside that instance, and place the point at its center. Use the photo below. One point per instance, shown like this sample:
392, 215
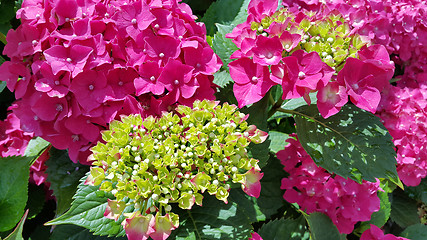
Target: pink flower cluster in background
14, 141
306, 53
404, 113
314, 189
77, 65
401, 27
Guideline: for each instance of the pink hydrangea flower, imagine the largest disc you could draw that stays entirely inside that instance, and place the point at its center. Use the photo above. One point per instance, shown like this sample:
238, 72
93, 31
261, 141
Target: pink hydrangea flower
375, 233
95, 60
314, 189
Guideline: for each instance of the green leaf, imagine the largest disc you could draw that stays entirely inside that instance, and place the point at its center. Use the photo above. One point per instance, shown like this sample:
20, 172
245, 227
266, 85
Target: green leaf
321, 227
293, 104
2, 84
14, 175
419, 192
404, 210
73, 232
7, 10
271, 196
415, 232
258, 117
36, 147
225, 12
87, 210
36, 200
247, 204
222, 78
64, 176
378, 218
278, 141
4, 28
285, 229
214, 220
17, 233
352, 143
223, 46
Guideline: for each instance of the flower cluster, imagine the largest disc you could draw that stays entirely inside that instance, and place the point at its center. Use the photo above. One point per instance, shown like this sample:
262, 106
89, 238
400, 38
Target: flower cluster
173, 159
14, 141
404, 114
76, 65
306, 52
314, 189
398, 25
375, 233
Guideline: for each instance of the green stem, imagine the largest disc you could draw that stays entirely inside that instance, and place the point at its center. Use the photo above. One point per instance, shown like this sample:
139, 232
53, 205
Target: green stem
3, 38
276, 106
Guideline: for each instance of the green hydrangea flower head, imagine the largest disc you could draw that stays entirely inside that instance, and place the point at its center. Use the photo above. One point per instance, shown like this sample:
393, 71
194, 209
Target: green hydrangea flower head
155, 162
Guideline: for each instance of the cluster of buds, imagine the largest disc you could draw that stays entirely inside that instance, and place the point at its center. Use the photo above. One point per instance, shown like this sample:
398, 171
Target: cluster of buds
306, 52
157, 162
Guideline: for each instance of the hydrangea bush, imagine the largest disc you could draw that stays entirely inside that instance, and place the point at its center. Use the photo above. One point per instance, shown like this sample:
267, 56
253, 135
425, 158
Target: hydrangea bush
247, 119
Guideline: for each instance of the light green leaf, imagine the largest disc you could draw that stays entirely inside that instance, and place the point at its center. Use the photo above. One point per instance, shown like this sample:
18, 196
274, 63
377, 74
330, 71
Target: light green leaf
223, 46
87, 210
378, 218
17, 233
36, 147
73, 232
64, 176
225, 12
352, 143
321, 227
278, 141
214, 220
2, 84
14, 176
404, 210
415, 232
222, 78
285, 229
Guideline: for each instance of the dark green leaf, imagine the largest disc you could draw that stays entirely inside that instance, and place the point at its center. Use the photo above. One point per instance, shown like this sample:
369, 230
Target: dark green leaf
222, 78
258, 117
214, 220
4, 28
352, 143
64, 176
73, 232
278, 141
7, 10
36, 199
415, 232
285, 229
247, 205
271, 197
87, 210
14, 175
419, 192
225, 12
226, 94
17, 233
378, 218
223, 46
321, 227
404, 210
292, 104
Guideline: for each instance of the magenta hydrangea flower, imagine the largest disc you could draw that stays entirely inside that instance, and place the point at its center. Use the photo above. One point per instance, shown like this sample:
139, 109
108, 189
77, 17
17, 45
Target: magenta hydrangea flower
95, 60
308, 52
314, 189
375, 233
